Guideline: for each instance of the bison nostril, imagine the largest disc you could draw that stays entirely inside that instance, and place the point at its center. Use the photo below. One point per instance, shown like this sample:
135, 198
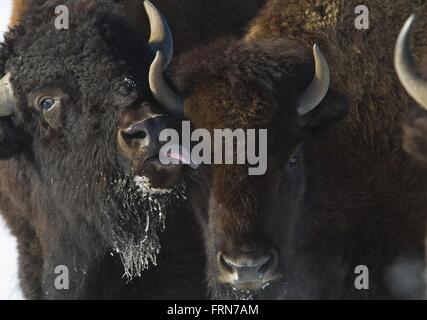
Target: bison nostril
248, 268
223, 263
270, 264
139, 141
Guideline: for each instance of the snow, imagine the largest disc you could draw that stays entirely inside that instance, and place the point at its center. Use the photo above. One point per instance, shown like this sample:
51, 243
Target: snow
5, 9
9, 287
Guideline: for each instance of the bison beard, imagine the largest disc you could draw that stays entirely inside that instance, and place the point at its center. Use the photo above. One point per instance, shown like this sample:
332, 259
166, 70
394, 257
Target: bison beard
136, 215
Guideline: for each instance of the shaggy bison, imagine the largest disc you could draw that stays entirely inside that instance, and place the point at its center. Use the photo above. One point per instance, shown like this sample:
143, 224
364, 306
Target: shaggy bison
81, 186
335, 199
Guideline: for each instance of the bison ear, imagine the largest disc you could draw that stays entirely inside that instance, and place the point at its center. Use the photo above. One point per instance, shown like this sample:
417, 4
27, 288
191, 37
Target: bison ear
13, 141
333, 108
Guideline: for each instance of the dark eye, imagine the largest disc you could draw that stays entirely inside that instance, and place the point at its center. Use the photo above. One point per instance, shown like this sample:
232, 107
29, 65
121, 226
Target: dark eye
47, 103
293, 161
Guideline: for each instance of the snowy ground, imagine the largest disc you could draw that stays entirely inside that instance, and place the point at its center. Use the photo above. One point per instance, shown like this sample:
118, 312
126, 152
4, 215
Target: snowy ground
9, 288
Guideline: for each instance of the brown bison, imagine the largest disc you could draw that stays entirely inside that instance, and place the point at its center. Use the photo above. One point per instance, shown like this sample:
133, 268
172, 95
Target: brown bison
335, 199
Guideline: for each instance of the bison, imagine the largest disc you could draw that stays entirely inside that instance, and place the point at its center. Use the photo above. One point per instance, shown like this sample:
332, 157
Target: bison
336, 200
82, 187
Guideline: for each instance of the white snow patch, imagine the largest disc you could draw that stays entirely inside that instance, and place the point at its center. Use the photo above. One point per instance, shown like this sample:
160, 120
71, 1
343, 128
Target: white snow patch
145, 187
5, 9
9, 286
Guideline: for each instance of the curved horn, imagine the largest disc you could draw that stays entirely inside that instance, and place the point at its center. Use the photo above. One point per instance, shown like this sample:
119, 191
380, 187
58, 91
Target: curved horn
7, 99
406, 67
319, 87
161, 36
160, 89
161, 42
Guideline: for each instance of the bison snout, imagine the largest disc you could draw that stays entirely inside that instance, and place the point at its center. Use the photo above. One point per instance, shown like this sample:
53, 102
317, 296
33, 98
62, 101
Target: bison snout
141, 139
139, 143
248, 271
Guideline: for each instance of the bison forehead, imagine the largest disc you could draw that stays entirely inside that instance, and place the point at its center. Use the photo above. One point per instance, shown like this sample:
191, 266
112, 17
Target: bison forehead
96, 54
245, 84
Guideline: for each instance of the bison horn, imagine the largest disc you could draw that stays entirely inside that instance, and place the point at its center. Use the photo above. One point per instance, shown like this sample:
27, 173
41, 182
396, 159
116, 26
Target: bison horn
406, 67
7, 99
319, 87
161, 42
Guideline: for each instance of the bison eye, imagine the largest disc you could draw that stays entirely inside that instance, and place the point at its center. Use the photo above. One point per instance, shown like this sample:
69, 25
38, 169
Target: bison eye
47, 103
293, 161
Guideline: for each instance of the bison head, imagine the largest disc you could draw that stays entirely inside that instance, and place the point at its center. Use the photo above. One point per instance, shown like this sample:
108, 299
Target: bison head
249, 220
81, 112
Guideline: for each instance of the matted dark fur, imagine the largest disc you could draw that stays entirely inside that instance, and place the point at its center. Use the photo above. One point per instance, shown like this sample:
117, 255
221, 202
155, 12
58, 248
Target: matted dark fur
193, 22
415, 133
355, 198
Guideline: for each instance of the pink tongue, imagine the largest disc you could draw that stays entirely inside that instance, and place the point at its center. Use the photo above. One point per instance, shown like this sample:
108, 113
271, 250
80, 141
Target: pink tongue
179, 157
178, 152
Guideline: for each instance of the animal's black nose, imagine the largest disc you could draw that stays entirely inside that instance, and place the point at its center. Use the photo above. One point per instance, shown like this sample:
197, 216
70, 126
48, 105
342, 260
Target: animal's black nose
142, 137
248, 270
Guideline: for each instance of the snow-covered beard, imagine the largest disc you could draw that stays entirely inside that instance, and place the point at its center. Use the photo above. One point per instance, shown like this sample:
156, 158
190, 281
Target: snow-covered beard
136, 216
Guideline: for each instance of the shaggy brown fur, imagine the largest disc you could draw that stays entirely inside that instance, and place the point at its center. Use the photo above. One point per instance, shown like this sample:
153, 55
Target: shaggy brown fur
368, 199
193, 22
18, 10
415, 126
415, 133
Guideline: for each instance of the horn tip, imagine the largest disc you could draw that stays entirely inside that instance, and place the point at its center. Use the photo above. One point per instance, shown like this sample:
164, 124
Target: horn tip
148, 6
147, 3
318, 55
410, 22
403, 39
316, 50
